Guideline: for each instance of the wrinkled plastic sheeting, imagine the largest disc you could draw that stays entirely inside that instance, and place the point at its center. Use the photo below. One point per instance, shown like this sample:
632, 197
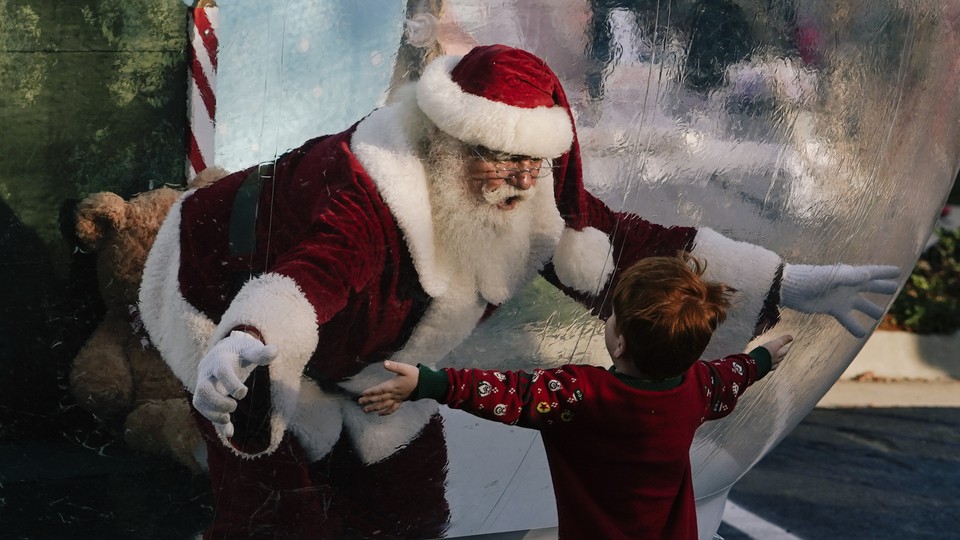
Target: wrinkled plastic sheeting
824, 131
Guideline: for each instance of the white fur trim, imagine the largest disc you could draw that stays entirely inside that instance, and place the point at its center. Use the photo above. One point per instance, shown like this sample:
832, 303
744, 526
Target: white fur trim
377, 437
179, 331
276, 306
382, 143
540, 132
449, 320
318, 422
748, 268
584, 259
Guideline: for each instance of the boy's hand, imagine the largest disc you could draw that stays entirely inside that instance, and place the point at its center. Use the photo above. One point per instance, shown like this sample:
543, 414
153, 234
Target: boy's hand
778, 349
386, 397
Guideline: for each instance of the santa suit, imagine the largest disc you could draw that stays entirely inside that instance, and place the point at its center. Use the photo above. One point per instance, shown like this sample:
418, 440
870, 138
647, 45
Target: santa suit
345, 272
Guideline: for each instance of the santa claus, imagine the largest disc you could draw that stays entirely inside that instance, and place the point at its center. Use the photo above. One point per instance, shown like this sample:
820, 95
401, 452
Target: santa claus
275, 293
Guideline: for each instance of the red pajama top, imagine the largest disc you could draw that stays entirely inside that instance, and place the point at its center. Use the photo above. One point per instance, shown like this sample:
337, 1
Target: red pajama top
618, 448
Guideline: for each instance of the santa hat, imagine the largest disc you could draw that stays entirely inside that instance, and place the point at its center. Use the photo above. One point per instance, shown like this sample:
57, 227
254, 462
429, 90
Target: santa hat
499, 97
508, 100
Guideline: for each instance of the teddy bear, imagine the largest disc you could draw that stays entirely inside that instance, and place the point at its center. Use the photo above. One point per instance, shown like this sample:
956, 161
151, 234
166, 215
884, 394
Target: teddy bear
118, 375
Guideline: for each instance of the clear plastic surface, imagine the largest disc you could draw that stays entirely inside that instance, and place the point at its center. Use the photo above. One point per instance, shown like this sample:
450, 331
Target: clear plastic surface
827, 132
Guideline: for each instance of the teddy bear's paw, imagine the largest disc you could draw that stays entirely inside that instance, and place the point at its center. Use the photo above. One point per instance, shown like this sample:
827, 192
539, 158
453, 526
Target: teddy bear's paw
100, 380
165, 428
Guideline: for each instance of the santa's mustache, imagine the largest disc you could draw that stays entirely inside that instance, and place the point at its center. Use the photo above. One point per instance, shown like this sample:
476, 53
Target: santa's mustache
505, 192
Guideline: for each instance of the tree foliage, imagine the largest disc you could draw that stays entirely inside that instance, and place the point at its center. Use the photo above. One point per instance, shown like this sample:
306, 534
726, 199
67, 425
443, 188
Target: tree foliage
930, 300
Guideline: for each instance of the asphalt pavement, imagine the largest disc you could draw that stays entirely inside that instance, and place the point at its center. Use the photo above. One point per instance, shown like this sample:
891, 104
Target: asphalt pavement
862, 465
876, 459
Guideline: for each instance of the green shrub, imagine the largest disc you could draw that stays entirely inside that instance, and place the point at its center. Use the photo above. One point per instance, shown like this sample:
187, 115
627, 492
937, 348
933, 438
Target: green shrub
930, 300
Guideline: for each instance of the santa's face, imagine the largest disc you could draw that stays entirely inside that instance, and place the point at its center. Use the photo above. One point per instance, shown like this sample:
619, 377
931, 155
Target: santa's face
492, 222
480, 191
502, 180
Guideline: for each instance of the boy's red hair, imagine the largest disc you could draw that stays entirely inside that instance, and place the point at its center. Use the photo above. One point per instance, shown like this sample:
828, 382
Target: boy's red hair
666, 313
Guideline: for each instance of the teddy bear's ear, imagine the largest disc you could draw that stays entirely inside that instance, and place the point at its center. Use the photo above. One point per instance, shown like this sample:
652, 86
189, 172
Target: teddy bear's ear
99, 215
206, 177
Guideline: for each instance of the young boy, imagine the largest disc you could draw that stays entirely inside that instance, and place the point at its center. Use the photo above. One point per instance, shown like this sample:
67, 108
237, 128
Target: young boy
617, 440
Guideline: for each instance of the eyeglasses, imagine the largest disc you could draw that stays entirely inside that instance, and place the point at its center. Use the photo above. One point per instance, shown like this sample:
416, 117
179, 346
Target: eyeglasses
504, 165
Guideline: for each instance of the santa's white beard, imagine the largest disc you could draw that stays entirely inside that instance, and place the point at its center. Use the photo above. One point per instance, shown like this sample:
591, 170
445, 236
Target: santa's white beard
491, 246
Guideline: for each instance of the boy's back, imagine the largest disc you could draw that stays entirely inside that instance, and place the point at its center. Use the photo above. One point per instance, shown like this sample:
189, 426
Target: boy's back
618, 447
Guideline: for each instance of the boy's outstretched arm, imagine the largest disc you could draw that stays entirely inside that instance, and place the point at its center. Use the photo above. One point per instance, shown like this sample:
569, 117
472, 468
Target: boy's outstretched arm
386, 397
731, 375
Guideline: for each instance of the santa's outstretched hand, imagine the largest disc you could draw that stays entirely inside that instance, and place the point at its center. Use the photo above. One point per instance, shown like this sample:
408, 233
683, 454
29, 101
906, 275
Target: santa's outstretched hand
836, 290
221, 374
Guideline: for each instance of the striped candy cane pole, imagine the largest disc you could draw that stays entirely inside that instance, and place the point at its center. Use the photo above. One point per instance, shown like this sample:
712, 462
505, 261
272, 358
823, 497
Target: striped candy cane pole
202, 97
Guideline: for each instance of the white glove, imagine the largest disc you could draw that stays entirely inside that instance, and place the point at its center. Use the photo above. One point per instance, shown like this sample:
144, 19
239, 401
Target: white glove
221, 373
836, 290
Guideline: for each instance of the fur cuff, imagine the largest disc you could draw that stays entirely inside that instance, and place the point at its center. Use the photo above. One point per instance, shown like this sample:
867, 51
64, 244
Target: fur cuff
275, 305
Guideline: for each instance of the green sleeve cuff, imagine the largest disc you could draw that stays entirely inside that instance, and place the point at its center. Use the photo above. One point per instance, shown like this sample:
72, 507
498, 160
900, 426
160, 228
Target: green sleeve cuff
431, 384
764, 361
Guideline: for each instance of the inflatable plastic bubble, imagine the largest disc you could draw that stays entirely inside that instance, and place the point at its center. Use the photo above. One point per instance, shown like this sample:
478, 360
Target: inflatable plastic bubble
826, 132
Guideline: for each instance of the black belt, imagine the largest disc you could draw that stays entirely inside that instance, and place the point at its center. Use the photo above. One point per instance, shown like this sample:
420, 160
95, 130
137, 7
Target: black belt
243, 216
